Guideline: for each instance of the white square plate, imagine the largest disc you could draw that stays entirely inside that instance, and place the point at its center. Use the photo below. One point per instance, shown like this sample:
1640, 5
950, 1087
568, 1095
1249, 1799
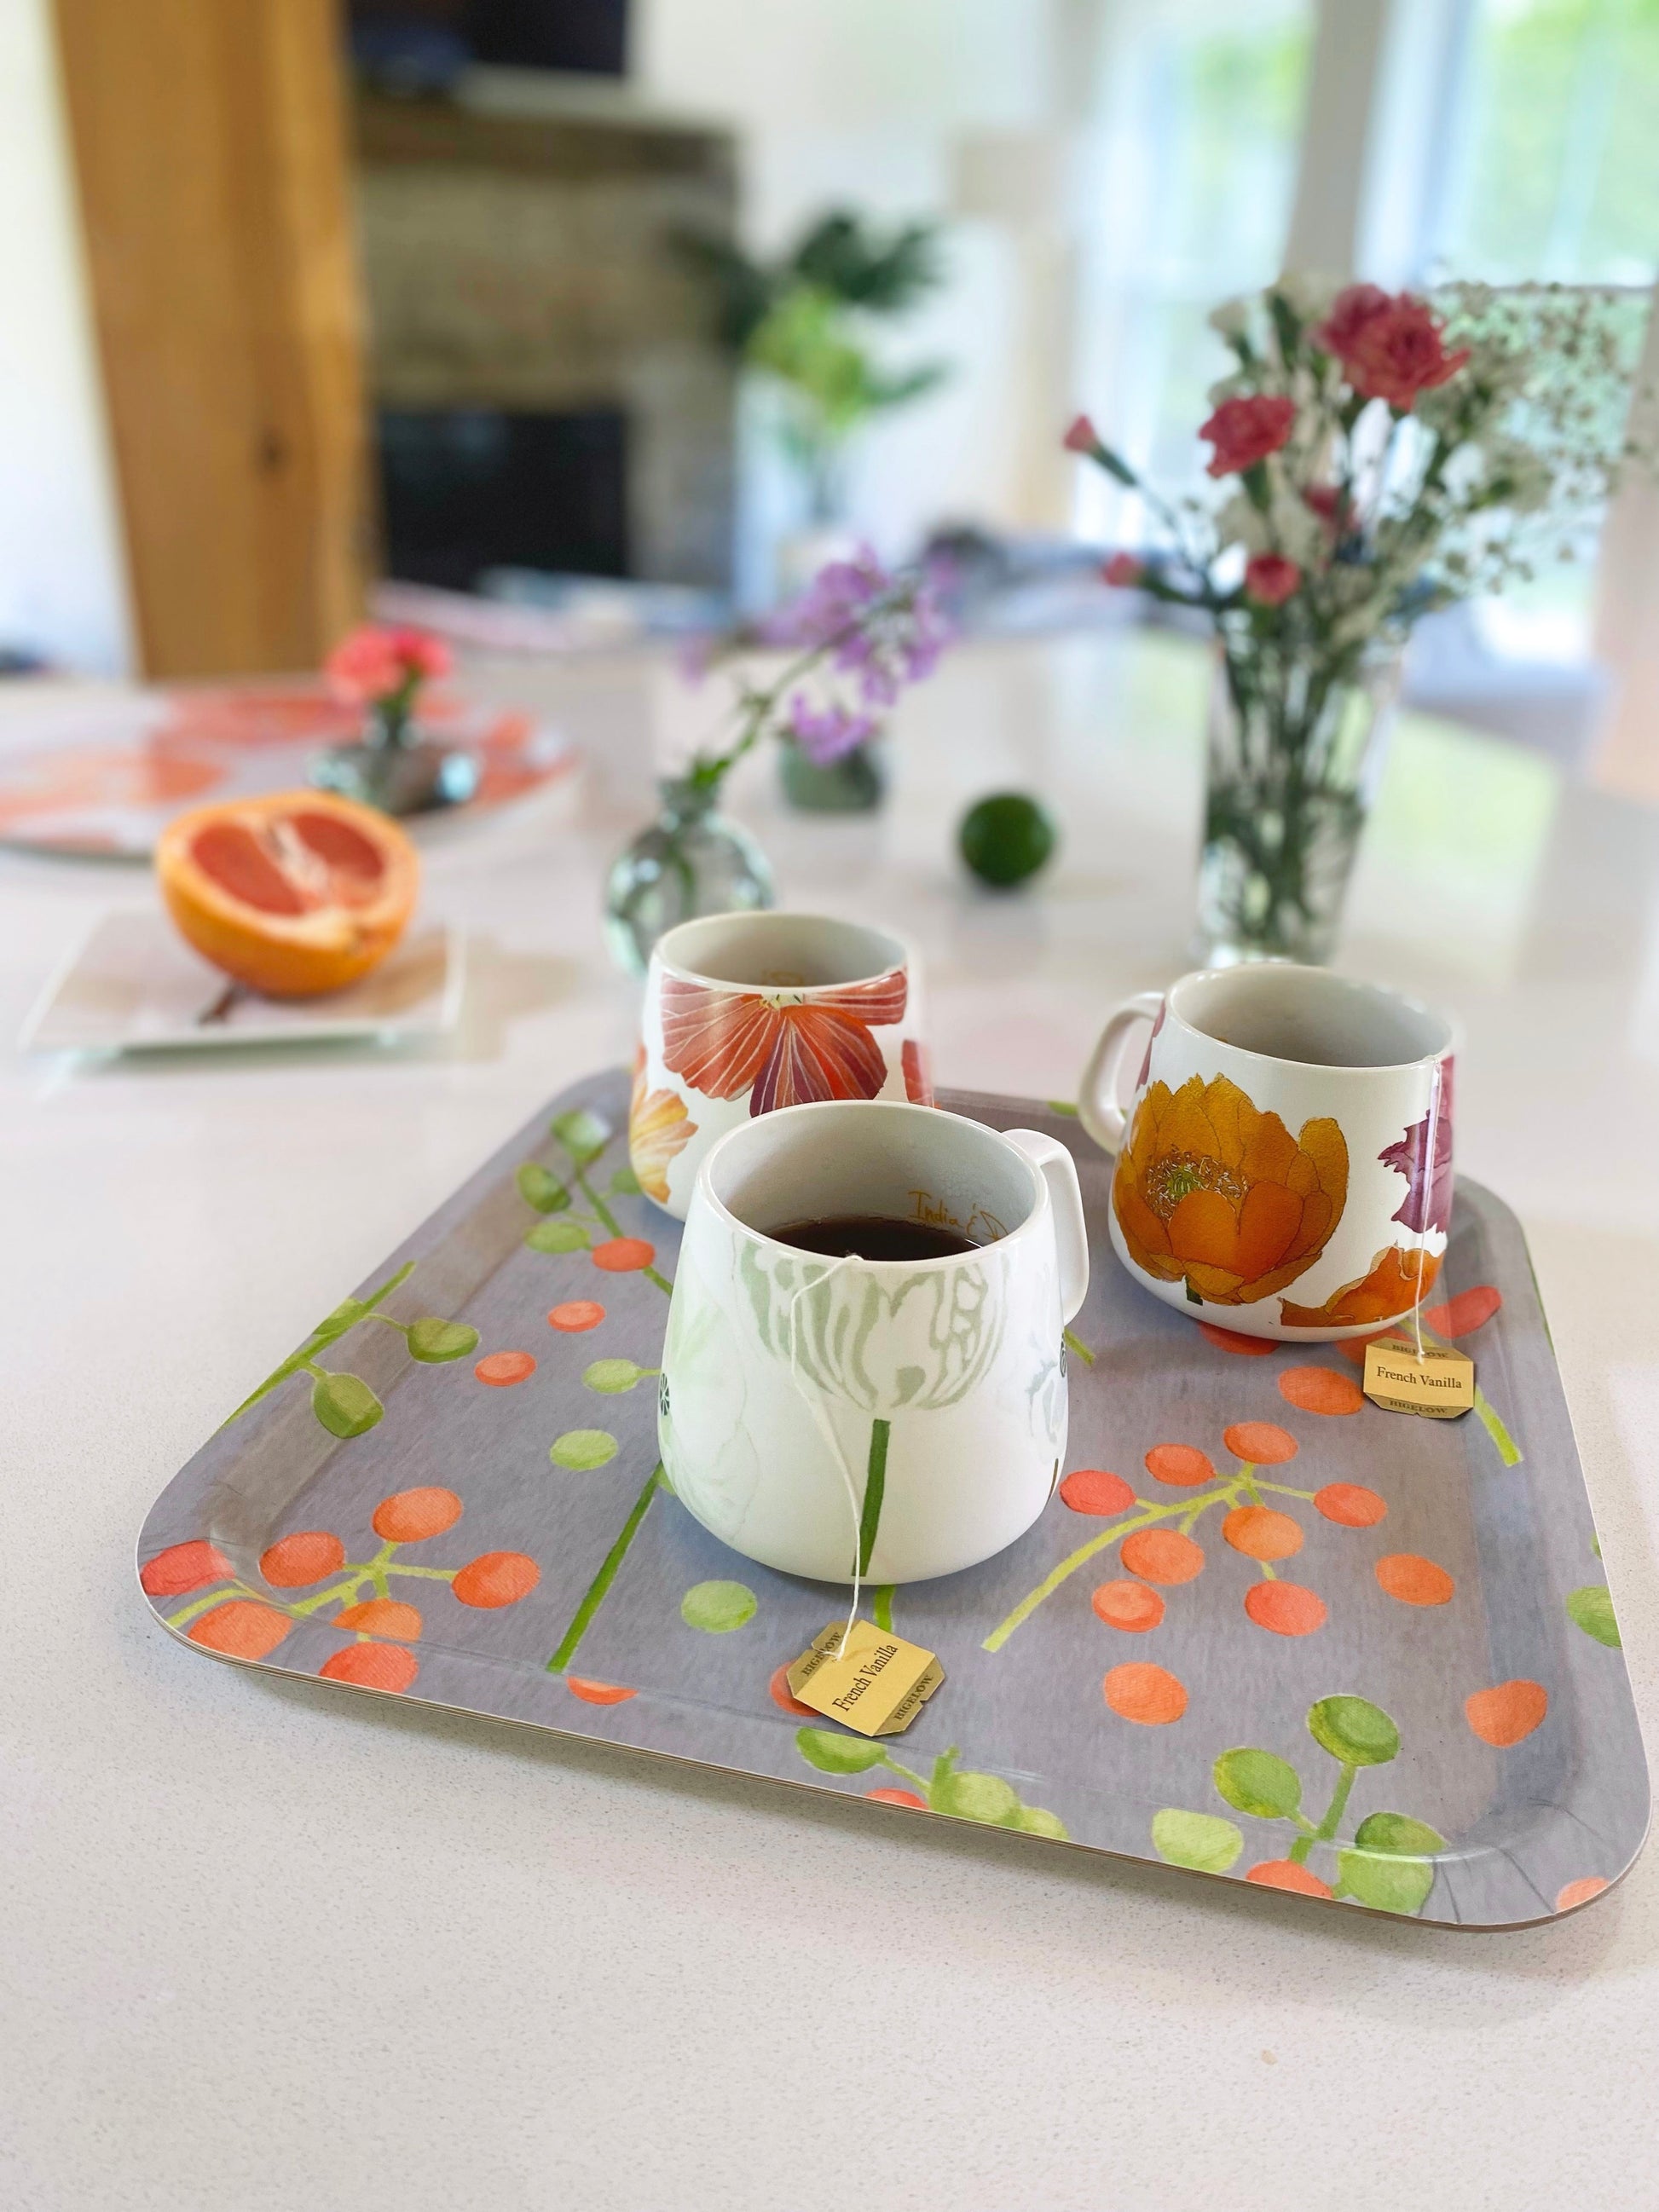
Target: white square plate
133, 985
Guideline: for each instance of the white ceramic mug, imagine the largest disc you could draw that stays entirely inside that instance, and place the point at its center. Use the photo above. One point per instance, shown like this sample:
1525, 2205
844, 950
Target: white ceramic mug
747, 1013
1285, 1156
908, 1415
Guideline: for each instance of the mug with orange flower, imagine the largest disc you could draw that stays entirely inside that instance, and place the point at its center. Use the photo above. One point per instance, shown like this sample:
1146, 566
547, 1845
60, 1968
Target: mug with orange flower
1284, 1159
744, 1013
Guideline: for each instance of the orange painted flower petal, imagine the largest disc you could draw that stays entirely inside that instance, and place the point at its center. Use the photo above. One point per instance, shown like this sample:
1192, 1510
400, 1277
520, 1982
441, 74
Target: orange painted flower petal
717, 1040
818, 1054
1203, 1230
1269, 1218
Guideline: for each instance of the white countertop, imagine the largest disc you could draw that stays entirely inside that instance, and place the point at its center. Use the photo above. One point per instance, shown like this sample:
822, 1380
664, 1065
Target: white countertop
265, 1947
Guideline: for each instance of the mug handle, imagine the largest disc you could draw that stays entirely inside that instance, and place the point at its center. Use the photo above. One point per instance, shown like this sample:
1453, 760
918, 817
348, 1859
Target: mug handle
1059, 1170
1097, 1107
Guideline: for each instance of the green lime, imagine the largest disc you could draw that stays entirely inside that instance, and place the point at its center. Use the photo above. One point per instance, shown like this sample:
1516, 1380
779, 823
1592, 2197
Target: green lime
1006, 838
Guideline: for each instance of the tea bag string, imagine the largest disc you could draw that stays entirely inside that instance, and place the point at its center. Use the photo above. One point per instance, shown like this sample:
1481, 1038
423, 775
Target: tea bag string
1431, 1150
813, 1399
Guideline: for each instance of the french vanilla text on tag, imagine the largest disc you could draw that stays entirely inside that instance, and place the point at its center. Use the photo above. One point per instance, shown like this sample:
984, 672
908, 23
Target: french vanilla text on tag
877, 1686
1441, 1385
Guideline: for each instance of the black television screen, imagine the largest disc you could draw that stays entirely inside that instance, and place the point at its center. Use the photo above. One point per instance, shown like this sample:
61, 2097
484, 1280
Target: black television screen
587, 35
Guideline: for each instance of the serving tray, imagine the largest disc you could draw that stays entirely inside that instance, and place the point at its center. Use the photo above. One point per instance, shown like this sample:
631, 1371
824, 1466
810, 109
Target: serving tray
1264, 1630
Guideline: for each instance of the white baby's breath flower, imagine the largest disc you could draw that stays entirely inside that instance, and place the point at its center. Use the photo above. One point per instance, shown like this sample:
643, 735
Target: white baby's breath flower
1307, 293
1241, 522
1231, 319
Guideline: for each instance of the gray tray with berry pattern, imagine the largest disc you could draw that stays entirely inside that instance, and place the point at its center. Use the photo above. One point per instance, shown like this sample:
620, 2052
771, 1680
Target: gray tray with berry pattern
1264, 1630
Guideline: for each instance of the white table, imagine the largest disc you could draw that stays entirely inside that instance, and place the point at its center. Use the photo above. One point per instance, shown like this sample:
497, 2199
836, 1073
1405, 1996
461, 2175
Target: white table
265, 1947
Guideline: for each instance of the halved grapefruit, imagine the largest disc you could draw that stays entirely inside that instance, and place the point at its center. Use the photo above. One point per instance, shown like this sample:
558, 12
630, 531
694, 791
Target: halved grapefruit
293, 893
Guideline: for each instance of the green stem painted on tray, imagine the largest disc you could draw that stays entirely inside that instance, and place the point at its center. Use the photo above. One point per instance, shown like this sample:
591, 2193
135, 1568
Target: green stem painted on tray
1074, 1343
875, 1489
1490, 1419
594, 1597
1186, 1510
1333, 1819
318, 1340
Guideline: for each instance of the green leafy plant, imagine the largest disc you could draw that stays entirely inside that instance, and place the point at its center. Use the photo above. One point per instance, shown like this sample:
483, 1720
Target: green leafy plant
802, 323
956, 1791
343, 1403
1386, 1864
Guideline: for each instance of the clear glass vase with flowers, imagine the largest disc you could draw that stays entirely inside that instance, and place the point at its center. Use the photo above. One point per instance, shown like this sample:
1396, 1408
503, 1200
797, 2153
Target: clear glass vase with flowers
1384, 455
384, 670
853, 641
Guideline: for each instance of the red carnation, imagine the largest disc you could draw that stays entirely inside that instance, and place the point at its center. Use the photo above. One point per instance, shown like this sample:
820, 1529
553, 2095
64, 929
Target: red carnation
1349, 312
1124, 570
1246, 430
1270, 578
1082, 437
1392, 348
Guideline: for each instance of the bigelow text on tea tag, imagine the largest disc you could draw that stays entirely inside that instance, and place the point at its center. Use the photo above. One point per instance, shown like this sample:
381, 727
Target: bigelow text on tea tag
1441, 1384
876, 1686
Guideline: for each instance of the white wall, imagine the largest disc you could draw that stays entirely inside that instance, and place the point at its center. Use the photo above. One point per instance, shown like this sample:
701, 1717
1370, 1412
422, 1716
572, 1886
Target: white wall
883, 107
63, 589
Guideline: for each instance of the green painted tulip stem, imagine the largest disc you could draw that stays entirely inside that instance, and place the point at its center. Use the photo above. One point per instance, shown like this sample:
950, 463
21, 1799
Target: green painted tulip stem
594, 1597
875, 1489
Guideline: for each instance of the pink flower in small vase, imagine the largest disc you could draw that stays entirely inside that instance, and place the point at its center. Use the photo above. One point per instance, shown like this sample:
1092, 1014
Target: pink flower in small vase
1245, 430
1392, 348
374, 663
1082, 437
1125, 570
1270, 578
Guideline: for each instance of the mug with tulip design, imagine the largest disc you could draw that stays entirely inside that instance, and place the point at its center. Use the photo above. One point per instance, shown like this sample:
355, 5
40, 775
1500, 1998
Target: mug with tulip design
747, 1013
894, 1419
1284, 1159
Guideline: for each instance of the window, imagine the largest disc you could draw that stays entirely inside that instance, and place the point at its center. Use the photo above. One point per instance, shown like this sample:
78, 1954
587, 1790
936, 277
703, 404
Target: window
1188, 202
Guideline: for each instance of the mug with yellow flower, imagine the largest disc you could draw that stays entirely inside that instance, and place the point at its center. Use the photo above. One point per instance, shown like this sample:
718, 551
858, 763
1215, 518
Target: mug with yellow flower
1285, 1158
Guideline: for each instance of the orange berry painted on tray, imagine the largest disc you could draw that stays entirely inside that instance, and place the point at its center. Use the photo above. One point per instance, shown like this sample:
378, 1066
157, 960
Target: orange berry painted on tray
624, 1255
1261, 1533
1260, 1443
1507, 1712
1468, 1310
575, 1315
784, 1697
382, 1616
372, 1667
293, 893
1128, 1606
1349, 1505
1414, 1580
1320, 1390
501, 1370
896, 1798
306, 1557
1150, 1696
1230, 1340
410, 1517
1285, 1609
1579, 1891
597, 1693
184, 1567
495, 1578
1184, 1465
1162, 1555
1286, 1873
1093, 1490
240, 1629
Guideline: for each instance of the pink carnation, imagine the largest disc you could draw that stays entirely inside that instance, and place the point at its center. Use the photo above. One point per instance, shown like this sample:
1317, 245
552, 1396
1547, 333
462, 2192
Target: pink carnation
1244, 431
1082, 437
374, 663
1125, 570
1392, 347
1270, 578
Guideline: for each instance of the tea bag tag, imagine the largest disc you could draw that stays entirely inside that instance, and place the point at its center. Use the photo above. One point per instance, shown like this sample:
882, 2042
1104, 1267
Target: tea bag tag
1436, 1380
875, 1687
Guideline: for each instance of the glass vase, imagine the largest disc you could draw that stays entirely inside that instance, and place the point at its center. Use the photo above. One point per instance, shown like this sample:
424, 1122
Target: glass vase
1295, 745
855, 784
397, 769
690, 861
